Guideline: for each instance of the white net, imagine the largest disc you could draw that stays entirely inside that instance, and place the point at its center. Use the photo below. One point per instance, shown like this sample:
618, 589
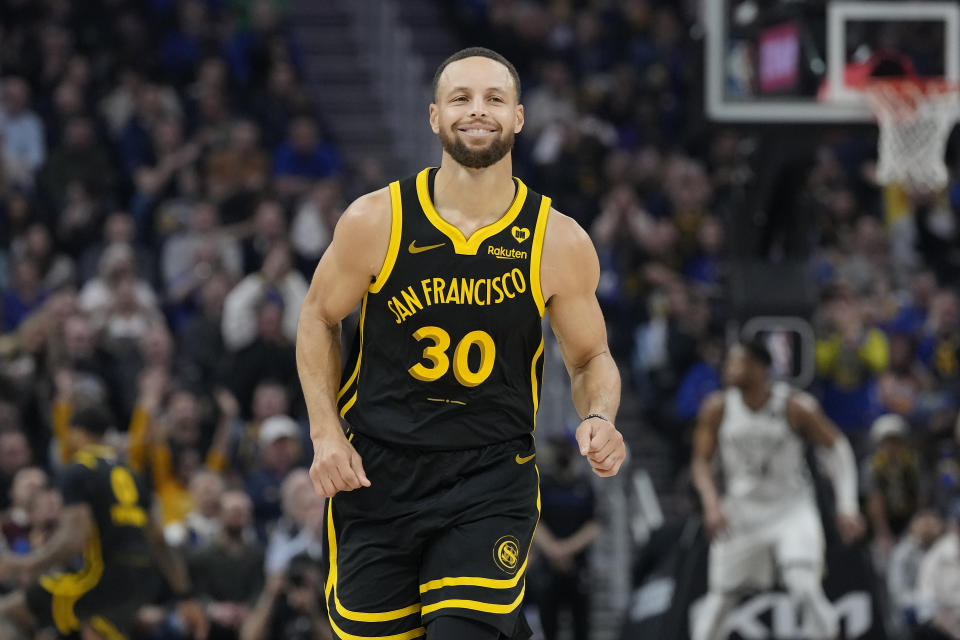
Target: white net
915, 119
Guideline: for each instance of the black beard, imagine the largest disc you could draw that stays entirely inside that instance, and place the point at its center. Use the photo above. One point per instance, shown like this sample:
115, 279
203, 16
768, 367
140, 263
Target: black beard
481, 159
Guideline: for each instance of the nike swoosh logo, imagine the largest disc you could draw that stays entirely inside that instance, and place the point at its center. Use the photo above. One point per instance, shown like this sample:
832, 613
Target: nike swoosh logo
415, 249
527, 459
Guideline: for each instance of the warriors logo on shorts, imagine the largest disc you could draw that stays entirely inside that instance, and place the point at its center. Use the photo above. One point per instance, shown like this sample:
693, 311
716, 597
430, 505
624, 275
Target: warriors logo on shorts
506, 553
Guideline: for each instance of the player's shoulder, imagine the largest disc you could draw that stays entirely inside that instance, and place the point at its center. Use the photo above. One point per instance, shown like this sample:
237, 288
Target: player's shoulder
565, 234
800, 401
711, 408
369, 212
569, 261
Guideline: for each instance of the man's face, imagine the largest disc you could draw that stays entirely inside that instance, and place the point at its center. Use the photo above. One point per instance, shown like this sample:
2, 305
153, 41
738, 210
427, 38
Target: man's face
740, 369
476, 113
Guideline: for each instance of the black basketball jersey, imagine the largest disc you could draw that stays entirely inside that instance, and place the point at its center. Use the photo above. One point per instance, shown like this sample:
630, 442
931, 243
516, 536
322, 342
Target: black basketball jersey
449, 349
120, 503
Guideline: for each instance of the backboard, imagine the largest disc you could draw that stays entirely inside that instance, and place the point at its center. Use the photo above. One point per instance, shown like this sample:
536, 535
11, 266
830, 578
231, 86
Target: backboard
793, 61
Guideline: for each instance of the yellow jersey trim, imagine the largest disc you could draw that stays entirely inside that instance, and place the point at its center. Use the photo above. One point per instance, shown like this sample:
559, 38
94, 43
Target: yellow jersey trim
67, 588
106, 628
358, 616
407, 635
396, 228
461, 244
356, 367
534, 383
476, 605
537, 253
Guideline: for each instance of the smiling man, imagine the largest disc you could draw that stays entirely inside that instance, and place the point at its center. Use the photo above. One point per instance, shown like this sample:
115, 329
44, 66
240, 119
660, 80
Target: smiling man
433, 492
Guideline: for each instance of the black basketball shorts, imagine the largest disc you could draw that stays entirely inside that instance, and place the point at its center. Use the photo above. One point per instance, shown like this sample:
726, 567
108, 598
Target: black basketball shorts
436, 533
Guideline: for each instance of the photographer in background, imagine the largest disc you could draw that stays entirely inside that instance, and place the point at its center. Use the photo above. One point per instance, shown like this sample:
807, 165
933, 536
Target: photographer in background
291, 607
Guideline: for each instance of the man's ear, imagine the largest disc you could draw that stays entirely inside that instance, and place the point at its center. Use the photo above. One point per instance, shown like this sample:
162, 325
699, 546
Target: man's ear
520, 115
434, 118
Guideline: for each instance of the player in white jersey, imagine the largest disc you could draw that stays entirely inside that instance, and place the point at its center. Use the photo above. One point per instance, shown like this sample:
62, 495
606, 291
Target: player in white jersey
767, 520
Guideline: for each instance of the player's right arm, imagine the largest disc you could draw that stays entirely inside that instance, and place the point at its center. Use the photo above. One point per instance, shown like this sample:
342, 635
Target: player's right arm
701, 468
348, 267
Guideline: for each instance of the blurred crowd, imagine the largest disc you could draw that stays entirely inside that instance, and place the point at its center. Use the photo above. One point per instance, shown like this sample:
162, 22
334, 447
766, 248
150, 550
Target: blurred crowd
166, 188
167, 185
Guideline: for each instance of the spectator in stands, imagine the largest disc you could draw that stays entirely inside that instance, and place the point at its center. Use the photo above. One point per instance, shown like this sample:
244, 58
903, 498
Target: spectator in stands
849, 357
202, 524
17, 524
269, 229
279, 441
938, 598
269, 398
282, 100
276, 283
251, 50
25, 295
169, 440
118, 229
81, 162
903, 386
939, 347
292, 606
56, 268
185, 46
300, 529
200, 339
24, 146
925, 529
240, 167
15, 455
314, 221
891, 481
191, 257
44, 516
117, 265
228, 573
303, 158
568, 526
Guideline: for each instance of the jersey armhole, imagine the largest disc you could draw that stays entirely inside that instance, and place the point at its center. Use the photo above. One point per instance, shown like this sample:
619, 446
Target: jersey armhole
537, 253
396, 227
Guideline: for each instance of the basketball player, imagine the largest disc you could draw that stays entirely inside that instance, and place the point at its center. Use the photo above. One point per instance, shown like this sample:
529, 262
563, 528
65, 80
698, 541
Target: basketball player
454, 269
768, 513
106, 518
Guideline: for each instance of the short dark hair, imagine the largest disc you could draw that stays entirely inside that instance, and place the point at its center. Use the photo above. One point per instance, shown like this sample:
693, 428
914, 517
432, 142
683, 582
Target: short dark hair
477, 52
93, 419
757, 349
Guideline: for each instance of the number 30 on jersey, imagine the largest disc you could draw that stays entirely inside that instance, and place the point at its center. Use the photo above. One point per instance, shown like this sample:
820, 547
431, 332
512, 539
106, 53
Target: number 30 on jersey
436, 353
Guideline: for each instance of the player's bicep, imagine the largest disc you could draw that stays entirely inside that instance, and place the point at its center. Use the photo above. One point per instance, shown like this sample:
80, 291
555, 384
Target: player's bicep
353, 260
807, 417
570, 275
708, 425
77, 518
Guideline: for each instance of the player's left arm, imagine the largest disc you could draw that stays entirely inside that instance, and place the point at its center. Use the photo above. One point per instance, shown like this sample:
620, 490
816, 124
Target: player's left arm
69, 539
835, 457
569, 275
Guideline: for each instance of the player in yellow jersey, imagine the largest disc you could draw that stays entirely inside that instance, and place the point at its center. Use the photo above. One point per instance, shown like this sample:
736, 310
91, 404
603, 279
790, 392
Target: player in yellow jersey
433, 489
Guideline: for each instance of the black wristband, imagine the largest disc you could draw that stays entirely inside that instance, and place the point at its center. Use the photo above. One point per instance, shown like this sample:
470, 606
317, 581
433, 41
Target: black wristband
596, 415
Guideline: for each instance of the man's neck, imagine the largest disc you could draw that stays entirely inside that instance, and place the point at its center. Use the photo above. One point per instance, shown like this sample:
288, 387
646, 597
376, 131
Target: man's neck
755, 396
477, 195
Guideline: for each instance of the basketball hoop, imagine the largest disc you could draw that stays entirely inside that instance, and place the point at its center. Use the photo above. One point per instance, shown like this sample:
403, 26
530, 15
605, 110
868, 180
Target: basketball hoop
915, 116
